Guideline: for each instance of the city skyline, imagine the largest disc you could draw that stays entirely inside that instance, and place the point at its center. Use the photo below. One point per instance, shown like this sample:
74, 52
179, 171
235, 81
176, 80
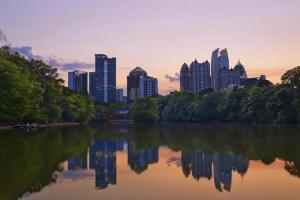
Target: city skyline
157, 36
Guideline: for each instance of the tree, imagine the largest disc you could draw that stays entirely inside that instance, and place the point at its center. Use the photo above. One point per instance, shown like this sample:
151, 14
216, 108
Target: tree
31, 91
292, 77
20, 94
77, 108
144, 110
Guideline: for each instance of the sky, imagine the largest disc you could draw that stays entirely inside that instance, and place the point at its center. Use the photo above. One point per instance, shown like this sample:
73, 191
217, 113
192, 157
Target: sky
157, 35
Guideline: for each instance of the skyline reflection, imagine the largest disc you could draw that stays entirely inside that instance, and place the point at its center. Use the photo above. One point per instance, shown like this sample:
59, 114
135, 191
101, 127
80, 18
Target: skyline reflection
181, 161
102, 158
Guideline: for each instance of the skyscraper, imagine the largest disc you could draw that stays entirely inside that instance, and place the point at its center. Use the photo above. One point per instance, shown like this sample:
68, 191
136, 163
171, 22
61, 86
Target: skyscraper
223, 59
105, 79
195, 78
185, 78
92, 84
200, 76
119, 95
77, 81
222, 77
140, 85
215, 70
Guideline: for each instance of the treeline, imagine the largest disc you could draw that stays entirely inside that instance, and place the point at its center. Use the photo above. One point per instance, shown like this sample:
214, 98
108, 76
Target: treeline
265, 103
30, 91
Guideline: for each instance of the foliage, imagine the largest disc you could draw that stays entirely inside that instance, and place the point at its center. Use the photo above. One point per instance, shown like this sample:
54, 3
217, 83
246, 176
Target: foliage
20, 95
77, 108
263, 103
144, 110
30, 90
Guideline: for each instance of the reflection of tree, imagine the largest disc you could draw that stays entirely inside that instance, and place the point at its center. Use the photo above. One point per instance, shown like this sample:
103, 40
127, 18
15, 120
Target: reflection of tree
29, 161
264, 143
292, 168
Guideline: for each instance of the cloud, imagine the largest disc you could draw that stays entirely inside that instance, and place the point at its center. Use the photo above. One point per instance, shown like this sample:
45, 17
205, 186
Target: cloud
3, 39
62, 65
174, 78
53, 61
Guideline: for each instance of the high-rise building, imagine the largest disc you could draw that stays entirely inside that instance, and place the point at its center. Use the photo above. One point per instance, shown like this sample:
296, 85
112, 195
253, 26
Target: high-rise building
92, 84
223, 59
229, 79
222, 77
241, 70
195, 78
185, 78
200, 76
105, 79
215, 70
77, 81
119, 95
140, 85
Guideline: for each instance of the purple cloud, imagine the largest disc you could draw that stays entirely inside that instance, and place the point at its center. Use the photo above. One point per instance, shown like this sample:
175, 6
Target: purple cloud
3, 39
62, 65
174, 78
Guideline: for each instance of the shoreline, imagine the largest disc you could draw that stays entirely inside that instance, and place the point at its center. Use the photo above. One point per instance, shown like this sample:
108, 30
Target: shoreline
60, 124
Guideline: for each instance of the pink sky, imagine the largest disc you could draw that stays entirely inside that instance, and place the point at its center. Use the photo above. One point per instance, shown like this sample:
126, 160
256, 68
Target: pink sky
159, 35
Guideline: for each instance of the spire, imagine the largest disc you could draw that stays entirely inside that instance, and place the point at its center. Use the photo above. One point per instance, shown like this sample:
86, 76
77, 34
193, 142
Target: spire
239, 62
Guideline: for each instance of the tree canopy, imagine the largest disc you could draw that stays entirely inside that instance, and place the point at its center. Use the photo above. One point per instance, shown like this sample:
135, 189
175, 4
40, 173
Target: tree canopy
30, 90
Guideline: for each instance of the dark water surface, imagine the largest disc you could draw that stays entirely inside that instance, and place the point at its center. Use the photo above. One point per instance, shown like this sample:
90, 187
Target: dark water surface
166, 161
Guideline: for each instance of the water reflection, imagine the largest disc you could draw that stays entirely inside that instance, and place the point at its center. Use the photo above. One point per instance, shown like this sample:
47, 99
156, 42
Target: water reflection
102, 157
139, 159
33, 161
220, 165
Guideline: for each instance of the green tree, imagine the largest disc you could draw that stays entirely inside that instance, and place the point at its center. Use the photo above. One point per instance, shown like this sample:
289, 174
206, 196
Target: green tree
20, 94
144, 110
77, 108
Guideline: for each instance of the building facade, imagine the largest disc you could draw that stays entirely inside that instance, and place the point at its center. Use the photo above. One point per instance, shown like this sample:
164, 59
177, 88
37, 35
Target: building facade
185, 78
77, 81
195, 78
200, 76
222, 76
140, 85
119, 95
92, 84
105, 79
219, 61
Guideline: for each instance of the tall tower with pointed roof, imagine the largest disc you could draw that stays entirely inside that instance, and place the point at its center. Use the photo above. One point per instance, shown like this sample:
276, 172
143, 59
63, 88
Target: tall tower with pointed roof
185, 78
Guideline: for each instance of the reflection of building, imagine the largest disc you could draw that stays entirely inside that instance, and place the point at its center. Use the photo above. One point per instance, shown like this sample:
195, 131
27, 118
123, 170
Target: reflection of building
201, 164
77, 81
140, 85
198, 162
105, 79
138, 159
77, 162
103, 160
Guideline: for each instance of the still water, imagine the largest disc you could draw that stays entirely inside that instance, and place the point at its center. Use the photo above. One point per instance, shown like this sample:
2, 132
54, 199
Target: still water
165, 161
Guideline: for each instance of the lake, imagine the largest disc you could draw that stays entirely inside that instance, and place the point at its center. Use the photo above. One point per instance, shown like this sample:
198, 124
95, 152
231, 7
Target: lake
163, 161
